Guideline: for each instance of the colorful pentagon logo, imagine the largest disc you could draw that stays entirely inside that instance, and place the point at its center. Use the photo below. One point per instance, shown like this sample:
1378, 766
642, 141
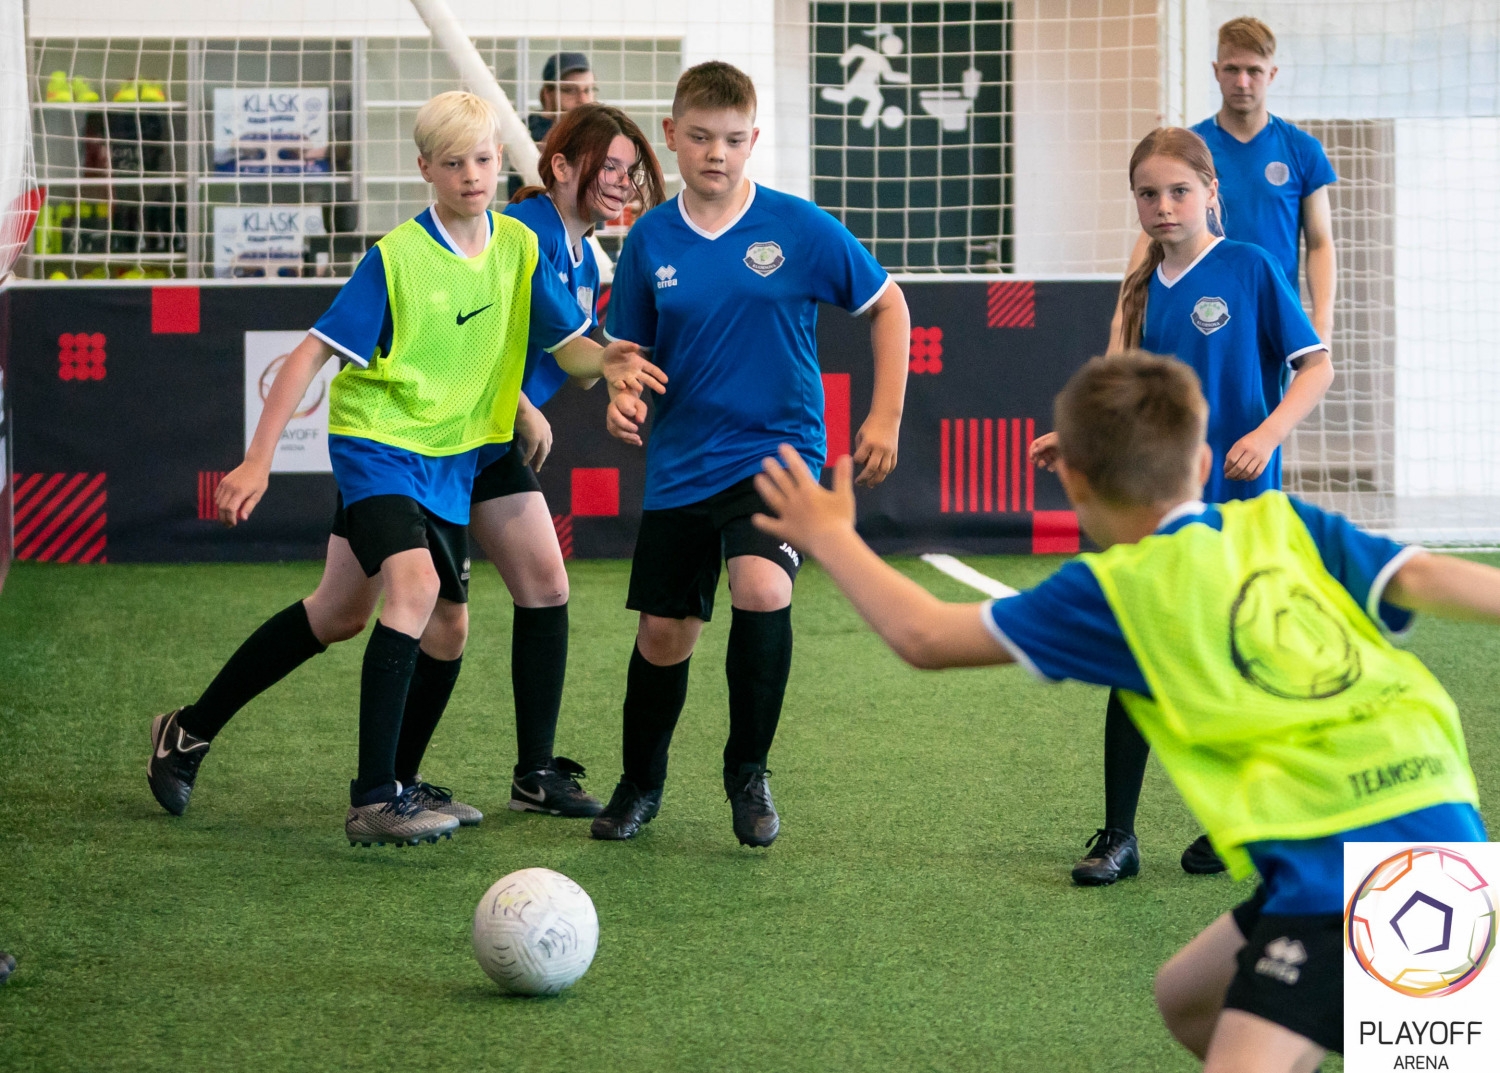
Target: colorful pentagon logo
1422, 922
1285, 642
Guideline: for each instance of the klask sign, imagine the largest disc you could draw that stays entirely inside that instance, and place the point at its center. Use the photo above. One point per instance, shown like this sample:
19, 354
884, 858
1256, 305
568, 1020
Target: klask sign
867, 68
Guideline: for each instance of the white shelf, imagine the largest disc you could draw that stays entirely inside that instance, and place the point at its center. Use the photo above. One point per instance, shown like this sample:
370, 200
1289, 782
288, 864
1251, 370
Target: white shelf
225, 179
165, 179
112, 258
110, 106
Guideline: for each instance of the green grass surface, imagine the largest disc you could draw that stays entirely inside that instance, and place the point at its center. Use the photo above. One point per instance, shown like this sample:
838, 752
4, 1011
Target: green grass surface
914, 915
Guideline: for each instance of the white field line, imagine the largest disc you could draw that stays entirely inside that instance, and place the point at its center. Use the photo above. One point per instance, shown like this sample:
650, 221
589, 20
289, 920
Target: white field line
959, 571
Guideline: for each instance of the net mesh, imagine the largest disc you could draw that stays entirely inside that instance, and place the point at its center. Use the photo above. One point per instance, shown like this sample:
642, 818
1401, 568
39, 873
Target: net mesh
956, 139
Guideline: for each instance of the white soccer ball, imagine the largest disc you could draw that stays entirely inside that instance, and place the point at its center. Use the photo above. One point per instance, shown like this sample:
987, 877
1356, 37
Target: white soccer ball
535, 932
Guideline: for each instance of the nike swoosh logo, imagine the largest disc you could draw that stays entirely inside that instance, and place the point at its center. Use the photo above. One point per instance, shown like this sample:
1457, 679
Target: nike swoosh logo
465, 316
538, 797
163, 750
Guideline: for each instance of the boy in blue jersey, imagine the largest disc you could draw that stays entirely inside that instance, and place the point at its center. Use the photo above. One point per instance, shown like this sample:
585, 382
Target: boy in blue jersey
1224, 308
594, 162
434, 325
723, 282
1271, 768
1273, 177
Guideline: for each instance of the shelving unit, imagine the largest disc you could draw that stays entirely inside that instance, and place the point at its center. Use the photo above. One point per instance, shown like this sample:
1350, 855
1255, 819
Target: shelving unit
132, 185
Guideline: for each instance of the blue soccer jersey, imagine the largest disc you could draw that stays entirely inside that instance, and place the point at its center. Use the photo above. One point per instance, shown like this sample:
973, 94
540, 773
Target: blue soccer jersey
1234, 318
579, 274
1262, 183
731, 318
1064, 628
359, 323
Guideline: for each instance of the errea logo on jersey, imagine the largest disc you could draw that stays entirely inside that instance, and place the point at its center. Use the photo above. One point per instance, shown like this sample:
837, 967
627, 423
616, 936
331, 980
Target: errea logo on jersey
666, 276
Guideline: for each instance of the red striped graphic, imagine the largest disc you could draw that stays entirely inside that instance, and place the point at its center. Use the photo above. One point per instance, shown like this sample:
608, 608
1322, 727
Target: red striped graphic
983, 465
59, 517
836, 415
208, 484
563, 524
1012, 304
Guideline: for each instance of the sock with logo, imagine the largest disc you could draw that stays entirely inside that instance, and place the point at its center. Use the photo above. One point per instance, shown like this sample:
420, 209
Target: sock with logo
654, 697
538, 664
1125, 753
283, 643
390, 660
758, 663
432, 682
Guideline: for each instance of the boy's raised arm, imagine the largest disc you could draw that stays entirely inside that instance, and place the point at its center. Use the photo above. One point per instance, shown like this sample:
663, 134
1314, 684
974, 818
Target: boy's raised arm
1444, 585
240, 491
920, 628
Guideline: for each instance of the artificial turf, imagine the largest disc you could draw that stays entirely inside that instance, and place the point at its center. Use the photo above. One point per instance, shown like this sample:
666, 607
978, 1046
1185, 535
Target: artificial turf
915, 913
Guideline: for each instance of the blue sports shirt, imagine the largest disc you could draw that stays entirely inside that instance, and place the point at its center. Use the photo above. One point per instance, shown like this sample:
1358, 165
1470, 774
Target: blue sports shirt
579, 275
359, 321
1234, 318
1064, 628
732, 318
1262, 183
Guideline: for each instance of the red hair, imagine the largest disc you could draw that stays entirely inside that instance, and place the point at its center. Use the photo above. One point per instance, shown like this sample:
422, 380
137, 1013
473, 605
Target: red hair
583, 137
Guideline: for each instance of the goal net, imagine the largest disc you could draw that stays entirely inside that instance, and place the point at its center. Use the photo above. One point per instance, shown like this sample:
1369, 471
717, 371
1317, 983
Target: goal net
956, 139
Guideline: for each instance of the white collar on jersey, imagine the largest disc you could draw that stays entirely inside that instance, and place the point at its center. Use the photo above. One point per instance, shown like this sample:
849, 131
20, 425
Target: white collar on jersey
712, 235
437, 221
567, 239
1170, 283
1182, 510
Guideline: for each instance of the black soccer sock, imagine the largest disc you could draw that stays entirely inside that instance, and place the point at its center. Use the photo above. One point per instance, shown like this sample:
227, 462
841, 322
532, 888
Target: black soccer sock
390, 659
283, 643
1125, 753
538, 664
654, 697
432, 683
757, 665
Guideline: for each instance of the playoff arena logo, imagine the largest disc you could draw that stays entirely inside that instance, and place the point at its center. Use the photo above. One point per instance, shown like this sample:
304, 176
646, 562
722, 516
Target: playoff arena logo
304, 445
1420, 925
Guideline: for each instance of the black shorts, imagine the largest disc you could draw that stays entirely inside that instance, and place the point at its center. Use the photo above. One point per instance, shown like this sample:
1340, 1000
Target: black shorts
679, 551
508, 475
380, 526
1291, 971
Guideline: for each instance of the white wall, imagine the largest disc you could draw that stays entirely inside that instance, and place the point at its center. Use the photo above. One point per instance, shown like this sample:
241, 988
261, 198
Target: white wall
1086, 90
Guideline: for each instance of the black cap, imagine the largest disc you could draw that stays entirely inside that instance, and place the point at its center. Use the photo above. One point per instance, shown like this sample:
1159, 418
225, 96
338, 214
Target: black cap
564, 63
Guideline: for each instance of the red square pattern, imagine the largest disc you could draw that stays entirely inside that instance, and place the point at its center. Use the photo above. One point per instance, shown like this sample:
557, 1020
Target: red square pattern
174, 310
1054, 532
596, 493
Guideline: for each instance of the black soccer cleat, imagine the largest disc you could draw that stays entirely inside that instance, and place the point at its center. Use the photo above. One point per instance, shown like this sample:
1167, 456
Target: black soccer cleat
755, 819
630, 808
1116, 855
554, 790
173, 767
1199, 859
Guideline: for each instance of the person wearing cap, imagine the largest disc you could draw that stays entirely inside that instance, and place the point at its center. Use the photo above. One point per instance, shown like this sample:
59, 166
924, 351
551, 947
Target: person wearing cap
567, 82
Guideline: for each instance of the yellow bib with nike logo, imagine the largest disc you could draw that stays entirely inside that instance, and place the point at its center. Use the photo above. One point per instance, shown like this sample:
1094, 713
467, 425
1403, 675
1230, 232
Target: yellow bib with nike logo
452, 378
1277, 706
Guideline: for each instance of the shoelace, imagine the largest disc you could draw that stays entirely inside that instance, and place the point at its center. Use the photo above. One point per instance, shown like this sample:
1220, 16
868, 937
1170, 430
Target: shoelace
441, 794
405, 804
757, 787
1103, 840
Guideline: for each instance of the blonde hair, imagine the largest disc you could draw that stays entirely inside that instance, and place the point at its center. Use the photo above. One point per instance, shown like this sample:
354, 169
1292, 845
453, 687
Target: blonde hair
1249, 34
1132, 424
1186, 147
455, 122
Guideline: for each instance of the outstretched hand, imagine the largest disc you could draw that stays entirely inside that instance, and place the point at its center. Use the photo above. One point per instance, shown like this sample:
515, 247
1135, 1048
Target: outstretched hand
240, 491
625, 369
803, 511
1044, 452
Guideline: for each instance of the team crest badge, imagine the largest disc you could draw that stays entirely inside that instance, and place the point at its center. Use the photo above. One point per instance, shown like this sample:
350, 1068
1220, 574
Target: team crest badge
586, 300
1277, 173
763, 258
1210, 314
